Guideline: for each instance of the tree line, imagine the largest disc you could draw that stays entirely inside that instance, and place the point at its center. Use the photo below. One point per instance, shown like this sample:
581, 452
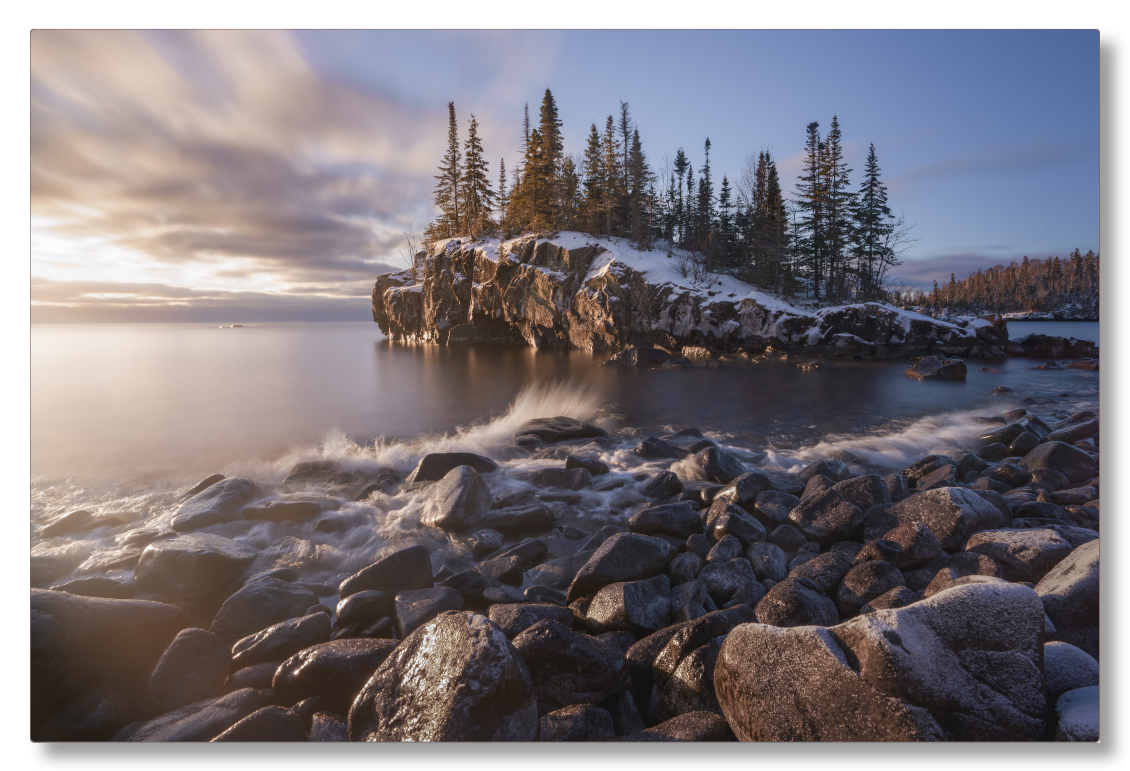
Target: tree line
829, 242
1070, 285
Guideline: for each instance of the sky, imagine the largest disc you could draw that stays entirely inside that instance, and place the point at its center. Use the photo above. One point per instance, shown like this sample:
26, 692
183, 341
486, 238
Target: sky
238, 176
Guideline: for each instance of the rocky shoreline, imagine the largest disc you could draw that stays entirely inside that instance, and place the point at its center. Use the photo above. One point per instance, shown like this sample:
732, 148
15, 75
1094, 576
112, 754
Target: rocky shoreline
956, 599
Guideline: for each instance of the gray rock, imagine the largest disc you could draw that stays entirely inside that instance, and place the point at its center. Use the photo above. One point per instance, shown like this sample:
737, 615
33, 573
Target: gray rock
952, 514
458, 501
519, 519
797, 602
513, 618
899, 597
699, 544
718, 465
332, 672
726, 549
787, 537
576, 723
558, 573
559, 429
363, 607
193, 668
97, 586
897, 487
722, 579
864, 492
257, 676
685, 567
768, 561
661, 485
1070, 593
690, 727
963, 665
826, 518
592, 465
397, 571
283, 510
1070, 461
744, 489
94, 716
865, 582
79, 644
676, 519
623, 557
202, 485
626, 717
918, 543
1024, 555
416, 607
835, 470
260, 605
281, 641
434, 466
881, 549
218, 503
772, 508
269, 724
1067, 667
570, 667
1077, 715
944, 476
202, 721
732, 521
639, 607
197, 566
568, 479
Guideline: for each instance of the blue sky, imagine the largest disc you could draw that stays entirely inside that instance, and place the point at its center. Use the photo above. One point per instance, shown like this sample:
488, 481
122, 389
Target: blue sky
256, 175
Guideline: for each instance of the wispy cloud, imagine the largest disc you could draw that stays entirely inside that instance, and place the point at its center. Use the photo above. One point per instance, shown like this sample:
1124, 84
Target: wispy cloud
996, 160
921, 272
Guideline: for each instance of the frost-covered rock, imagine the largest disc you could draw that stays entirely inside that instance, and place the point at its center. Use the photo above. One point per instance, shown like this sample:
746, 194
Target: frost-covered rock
576, 291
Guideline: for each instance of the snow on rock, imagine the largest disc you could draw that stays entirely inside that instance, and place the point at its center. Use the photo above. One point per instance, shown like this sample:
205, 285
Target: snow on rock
604, 294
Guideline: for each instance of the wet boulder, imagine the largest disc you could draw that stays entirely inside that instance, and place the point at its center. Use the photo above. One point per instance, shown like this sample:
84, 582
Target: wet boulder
281, 641
396, 571
1025, 556
623, 557
1077, 716
518, 519
513, 618
328, 727
200, 722
797, 602
1066, 668
787, 537
732, 520
1070, 593
864, 492
218, 503
744, 489
458, 501
897, 488
332, 672
363, 607
937, 368
197, 566
951, 513
718, 465
570, 667
723, 579
97, 586
82, 643
944, 476
559, 429
963, 665
685, 567
576, 723
726, 549
193, 668
865, 582
591, 465
1070, 461
826, 518
269, 724
772, 508
680, 520
92, 717
639, 607
568, 479
836, 471
416, 607
661, 485
917, 542
768, 561
435, 465
259, 605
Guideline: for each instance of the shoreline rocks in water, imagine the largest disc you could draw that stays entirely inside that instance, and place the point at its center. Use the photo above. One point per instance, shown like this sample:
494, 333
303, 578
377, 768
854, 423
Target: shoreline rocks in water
954, 599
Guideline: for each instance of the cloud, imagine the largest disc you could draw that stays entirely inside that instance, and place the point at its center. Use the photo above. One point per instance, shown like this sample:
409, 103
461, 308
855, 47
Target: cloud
997, 160
222, 152
922, 272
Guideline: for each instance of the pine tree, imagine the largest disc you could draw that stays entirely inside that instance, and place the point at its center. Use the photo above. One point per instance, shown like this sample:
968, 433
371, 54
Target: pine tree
679, 215
503, 201
639, 183
809, 240
838, 208
447, 182
547, 209
706, 213
570, 190
478, 198
726, 236
594, 181
872, 217
776, 223
610, 161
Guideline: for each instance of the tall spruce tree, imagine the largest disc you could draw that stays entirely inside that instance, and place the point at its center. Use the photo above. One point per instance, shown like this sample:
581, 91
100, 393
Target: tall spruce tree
610, 161
873, 226
810, 200
838, 206
478, 198
447, 181
503, 201
547, 209
594, 182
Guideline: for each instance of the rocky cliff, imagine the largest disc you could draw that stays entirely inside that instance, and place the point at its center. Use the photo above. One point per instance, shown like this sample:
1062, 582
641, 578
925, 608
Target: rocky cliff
571, 291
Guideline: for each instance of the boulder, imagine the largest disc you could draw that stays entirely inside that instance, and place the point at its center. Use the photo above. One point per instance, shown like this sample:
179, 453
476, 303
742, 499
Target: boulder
963, 665
1077, 715
257, 676
639, 607
193, 668
952, 514
864, 492
718, 465
865, 582
654, 448
576, 723
836, 471
726, 549
897, 487
94, 716
661, 485
435, 465
592, 465
457, 678
559, 429
217, 503
623, 557
269, 724
787, 537
202, 721
458, 501
568, 479
71, 523
1070, 593
328, 727
570, 667
97, 586
281, 641
202, 485
1025, 556
363, 607
197, 566
685, 567
1066, 668
79, 644
677, 519
772, 508
768, 561
797, 602
259, 605
744, 489
732, 521
333, 672
689, 727
513, 618
918, 543
1070, 461
899, 597
723, 579
945, 476
826, 518
416, 607
937, 368
393, 572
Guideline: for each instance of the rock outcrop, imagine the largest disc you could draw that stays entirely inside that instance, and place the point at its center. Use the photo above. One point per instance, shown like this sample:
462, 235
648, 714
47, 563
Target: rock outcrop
572, 291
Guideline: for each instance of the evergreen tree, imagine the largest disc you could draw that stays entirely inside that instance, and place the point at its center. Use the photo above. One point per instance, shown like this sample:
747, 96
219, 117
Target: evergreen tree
838, 205
809, 238
570, 192
706, 213
872, 228
478, 198
679, 215
639, 183
503, 201
594, 182
548, 207
726, 235
447, 182
610, 162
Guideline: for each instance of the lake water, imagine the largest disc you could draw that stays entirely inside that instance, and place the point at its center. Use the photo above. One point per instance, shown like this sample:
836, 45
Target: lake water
124, 416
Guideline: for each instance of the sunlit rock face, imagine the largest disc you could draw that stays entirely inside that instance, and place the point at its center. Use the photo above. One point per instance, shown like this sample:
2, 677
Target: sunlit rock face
572, 291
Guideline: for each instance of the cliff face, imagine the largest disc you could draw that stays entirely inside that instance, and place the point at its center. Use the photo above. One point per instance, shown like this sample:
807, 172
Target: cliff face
573, 292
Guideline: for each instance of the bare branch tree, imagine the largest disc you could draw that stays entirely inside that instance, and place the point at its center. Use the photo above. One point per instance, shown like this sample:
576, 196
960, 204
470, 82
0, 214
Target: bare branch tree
410, 252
